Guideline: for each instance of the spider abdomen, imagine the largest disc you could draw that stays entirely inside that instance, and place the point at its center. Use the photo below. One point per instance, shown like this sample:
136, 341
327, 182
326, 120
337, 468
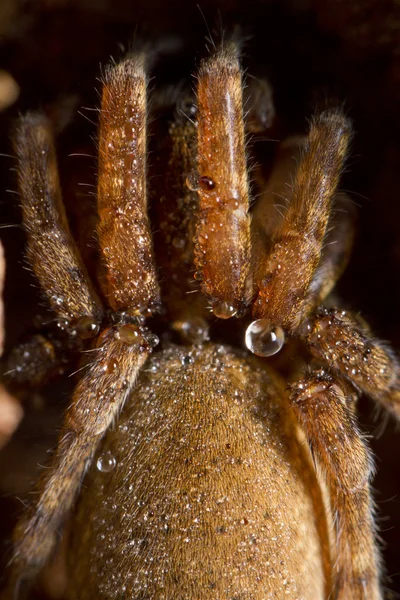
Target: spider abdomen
201, 491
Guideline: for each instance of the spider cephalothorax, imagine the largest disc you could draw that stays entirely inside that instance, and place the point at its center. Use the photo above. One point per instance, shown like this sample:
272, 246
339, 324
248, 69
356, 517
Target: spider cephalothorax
203, 490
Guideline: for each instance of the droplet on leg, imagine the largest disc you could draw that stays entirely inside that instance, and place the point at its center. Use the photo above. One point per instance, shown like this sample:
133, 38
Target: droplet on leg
87, 327
263, 338
152, 339
192, 181
129, 334
224, 310
106, 462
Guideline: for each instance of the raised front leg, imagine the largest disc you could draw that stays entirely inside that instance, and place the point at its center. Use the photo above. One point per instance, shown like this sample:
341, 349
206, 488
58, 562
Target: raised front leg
284, 275
222, 243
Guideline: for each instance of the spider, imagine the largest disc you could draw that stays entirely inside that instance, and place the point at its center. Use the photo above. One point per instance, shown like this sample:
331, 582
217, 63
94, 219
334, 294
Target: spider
203, 487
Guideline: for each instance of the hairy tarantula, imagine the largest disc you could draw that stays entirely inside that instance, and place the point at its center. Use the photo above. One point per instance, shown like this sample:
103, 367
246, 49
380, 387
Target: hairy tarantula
202, 488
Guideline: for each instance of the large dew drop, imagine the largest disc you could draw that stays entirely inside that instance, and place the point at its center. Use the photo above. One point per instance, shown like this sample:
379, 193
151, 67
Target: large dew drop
106, 462
264, 339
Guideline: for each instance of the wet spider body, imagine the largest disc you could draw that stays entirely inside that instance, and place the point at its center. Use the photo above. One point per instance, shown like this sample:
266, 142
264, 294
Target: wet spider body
216, 496
204, 487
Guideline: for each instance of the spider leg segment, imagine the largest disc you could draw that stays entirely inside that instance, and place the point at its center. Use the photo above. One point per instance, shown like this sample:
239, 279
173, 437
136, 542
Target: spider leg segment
269, 213
345, 343
300, 251
129, 282
289, 268
121, 350
321, 406
336, 251
222, 247
97, 400
51, 251
34, 361
274, 196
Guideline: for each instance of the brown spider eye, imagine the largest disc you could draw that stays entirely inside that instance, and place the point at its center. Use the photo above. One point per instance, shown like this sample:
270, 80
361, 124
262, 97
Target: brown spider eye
264, 339
206, 183
87, 327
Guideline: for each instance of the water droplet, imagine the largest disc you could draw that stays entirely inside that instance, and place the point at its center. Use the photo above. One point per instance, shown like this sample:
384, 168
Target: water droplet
152, 339
178, 242
58, 300
224, 310
129, 334
188, 107
192, 181
194, 330
187, 360
87, 327
233, 204
110, 366
264, 339
106, 462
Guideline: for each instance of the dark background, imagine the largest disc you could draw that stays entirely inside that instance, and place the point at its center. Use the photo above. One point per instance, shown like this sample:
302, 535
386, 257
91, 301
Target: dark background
344, 51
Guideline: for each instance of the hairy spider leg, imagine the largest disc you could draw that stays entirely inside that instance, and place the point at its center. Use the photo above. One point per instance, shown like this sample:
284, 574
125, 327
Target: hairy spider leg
55, 259
323, 404
274, 199
336, 250
129, 280
323, 410
120, 351
288, 270
222, 243
338, 338
34, 361
344, 342
51, 250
